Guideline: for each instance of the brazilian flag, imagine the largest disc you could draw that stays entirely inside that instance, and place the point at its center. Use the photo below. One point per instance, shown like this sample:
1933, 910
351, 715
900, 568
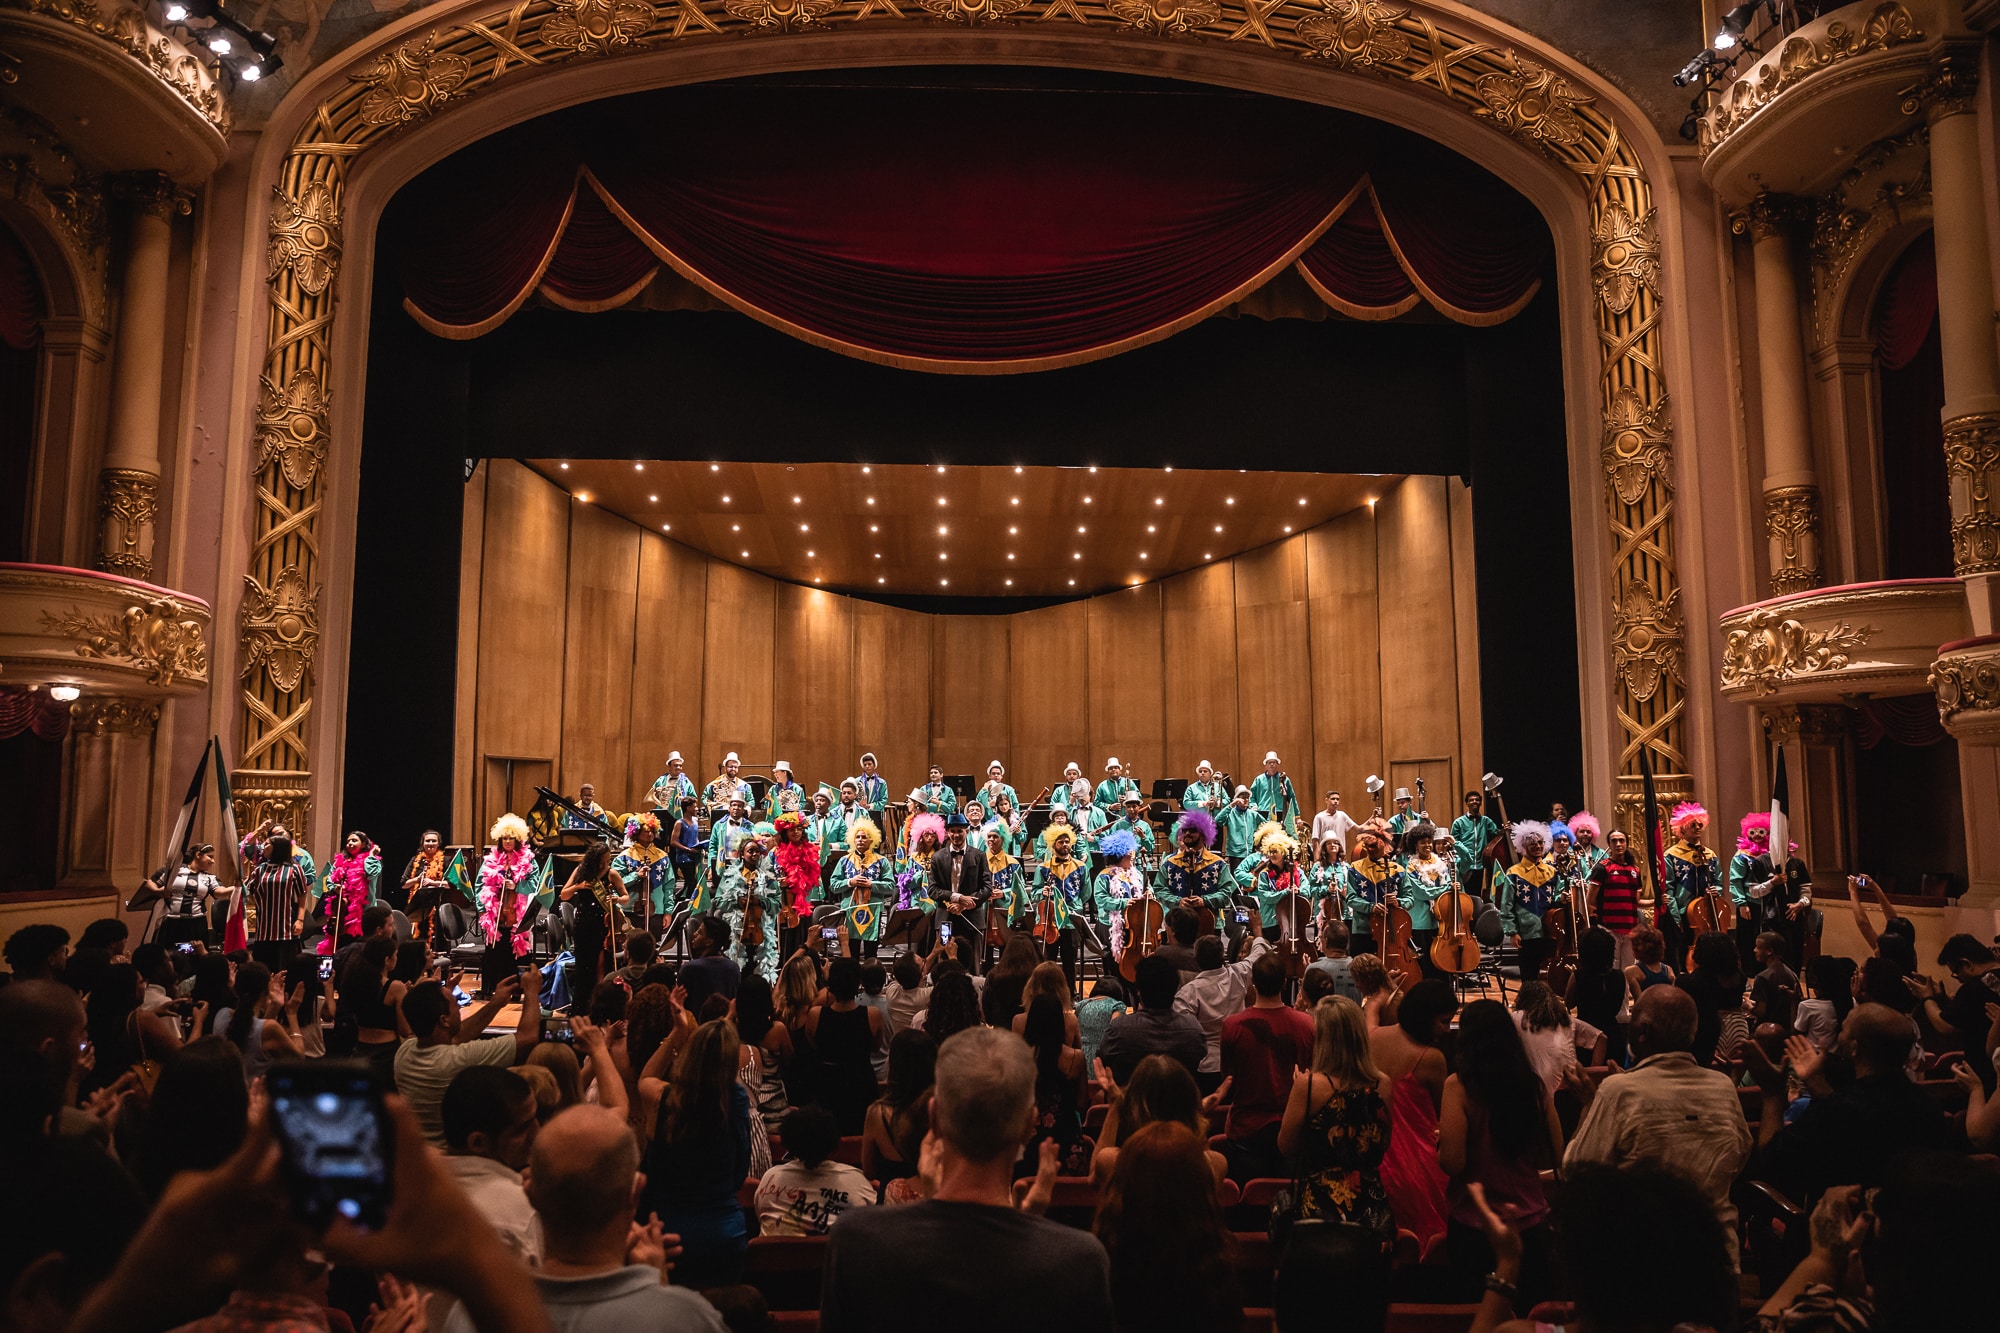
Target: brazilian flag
541, 885
455, 876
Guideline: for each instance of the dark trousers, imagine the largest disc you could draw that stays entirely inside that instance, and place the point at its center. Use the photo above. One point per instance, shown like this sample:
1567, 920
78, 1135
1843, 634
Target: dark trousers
1255, 1156
1420, 941
1676, 937
497, 964
182, 930
1471, 1259
587, 951
275, 954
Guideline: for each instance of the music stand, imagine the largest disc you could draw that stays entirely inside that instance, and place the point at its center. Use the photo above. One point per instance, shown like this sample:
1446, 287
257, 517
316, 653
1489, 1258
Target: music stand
1169, 790
962, 785
1036, 820
903, 925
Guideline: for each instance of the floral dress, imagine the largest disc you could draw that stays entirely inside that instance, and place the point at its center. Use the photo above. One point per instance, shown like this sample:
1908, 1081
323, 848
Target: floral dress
1339, 1168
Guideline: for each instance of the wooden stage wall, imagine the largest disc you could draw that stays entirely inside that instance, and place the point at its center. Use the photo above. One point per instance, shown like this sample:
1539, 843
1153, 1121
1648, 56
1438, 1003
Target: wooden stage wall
589, 648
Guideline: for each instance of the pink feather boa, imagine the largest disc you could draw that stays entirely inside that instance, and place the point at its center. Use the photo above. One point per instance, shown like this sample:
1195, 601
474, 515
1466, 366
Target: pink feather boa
494, 871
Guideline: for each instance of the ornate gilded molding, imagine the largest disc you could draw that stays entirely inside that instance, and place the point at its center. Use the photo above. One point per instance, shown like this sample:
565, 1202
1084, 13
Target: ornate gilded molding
127, 501
283, 796
152, 193
1809, 724
1800, 58
1889, 182
1971, 461
1949, 87
158, 635
39, 170
1770, 215
1791, 520
95, 714
1770, 649
175, 64
281, 628
1417, 48
1966, 680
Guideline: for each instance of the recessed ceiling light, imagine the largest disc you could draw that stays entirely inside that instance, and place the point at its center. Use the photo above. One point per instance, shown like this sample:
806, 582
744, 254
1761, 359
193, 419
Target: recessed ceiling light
715, 467
638, 467
1151, 528
1159, 499
1371, 502
1079, 527
1086, 499
1017, 467
944, 583
1169, 469
871, 499
653, 499
881, 580
798, 499
878, 555
1288, 527
736, 527
804, 527
1010, 555
809, 555
1072, 583
1218, 527
1093, 469
1010, 582
1302, 499
815, 578
1230, 501
1142, 555
1206, 556
940, 555
940, 467
583, 497
1013, 532
942, 530
940, 499
565, 467
1076, 555
725, 499
746, 555
867, 469
1015, 500
874, 527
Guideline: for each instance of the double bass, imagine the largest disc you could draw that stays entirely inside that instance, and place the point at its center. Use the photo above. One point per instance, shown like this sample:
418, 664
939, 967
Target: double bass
1392, 931
1455, 950
1294, 950
1709, 910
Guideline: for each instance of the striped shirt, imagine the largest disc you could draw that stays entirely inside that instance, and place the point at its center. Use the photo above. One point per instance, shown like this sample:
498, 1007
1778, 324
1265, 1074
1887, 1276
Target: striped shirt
1617, 896
277, 891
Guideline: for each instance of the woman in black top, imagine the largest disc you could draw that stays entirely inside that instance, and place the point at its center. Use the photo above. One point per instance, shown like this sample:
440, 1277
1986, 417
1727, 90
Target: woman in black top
372, 1000
1059, 1084
893, 1131
590, 889
844, 1035
1597, 991
700, 1157
121, 1033
1716, 984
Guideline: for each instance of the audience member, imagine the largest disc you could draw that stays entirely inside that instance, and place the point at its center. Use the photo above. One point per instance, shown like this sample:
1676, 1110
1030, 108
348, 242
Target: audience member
1106, 1001
1161, 1224
249, 1023
1774, 991
1161, 1089
1551, 1037
955, 1004
844, 1034
1263, 1048
1830, 981
1060, 1079
700, 1156
1183, 928
1048, 979
1961, 1020
1214, 992
443, 1041
1000, 998
908, 992
1497, 1129
598, 1269
709, 971
1379, 1000
195, 1118
1667, 1112
1716, 984
123, 1034
902, 1268
1156, 1027
1599, 993
1333, 960
892, 1132
1648, 967
1410, 1054
37, 952
806, 1195
490, 1123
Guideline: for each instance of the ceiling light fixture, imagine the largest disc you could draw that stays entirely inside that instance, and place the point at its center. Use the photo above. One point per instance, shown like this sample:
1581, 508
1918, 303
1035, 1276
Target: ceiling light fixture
804, 528
1076, 555
1013, 532
1093, 470
1072, 583
715, 467
65, 694
1302, 499
638, 467
1206, 556
942, 530
725, 499
1008, 582
871, 499
1017, 468
1218, 527
809, 555
1169, 469
1086, 499
866, 470
653, 498
583, 497
874, 527
1015, 500
1288, 527
798, 499
1080, 527
746, 555
564, 466
666, 527
1151, 528
1142, 555
944, 583
881, 580
736, 527
1230, 501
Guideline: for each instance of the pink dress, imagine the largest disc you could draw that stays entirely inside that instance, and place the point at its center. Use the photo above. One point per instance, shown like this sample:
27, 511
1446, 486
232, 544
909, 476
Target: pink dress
1410, 1171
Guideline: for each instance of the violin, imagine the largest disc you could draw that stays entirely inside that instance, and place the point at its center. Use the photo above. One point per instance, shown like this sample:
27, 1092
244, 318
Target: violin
1145, 919
1456, 949
1044, 929
753, 923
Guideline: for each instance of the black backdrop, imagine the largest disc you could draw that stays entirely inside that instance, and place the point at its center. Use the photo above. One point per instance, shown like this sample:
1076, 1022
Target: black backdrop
1290, 395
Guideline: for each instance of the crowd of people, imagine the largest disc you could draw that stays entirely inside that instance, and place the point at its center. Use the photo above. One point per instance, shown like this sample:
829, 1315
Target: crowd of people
1682, 1126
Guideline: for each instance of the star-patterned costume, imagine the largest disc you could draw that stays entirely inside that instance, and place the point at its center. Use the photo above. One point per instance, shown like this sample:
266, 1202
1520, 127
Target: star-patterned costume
1199, 874
1523, 892
732, 900
645, 869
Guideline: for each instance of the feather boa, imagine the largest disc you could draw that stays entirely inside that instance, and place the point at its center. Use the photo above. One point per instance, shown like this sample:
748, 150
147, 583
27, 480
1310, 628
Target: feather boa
347, 880
494, 871
798, 865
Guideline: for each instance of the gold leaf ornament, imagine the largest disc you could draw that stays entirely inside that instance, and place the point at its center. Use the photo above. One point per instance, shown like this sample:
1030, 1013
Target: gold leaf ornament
595, 27
973, 12
1356, 34
411, 82
1533, 102
1636, 444
1624, 255
291, 428
781, 15
305, 237
1769, 648
157, 635
1647, 644
280, 627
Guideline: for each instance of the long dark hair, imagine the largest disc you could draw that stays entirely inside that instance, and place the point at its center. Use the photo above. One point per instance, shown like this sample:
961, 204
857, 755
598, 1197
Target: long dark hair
253, 984
954, 1007
1160, 1221
704, 1081
595, 859
211, 986
197, 1115
1492, 1067
756, 1015
1046, 1035
112, 1000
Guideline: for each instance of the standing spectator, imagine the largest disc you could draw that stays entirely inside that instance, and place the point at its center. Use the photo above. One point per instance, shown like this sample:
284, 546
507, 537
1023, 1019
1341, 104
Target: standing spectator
1059, 1085
1961, 1020
1160, 1089
490, 1124
1410, 1053
1716, 984
1263, 1048
899, 1268
1000, 999
710, 971
122, 1032
845, 1034
1333, 959
908, 992
807, 1195
1215, 992
700, 1157
443, 1041
595, 1274
1774, 991
1498, 1128
249, 1024
371, 1006
1378, 1001
1599, 992
1156, 1027
874, 979
892, 1134
955, 1004
1667, 1112
760, 1030
1107, 1000
1048, 980
1550, 1036
1820, 1014
1161, 1225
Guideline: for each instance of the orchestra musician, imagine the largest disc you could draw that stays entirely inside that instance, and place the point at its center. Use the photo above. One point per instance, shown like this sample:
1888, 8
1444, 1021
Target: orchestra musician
1132, 819
795, 863
586, 801
750, 898
1525, 891
1238, 825
786, 796
996, 787
872, 789
1061, 882
1194, 870
960, 879
1426, 878
1206, 792
504, 899
671, 787
1116, 885
595, 893
424, 885
866, 879
1691, 870
1369, 881
643, 864
1471, 832
1111, 793
1072, 791
1406, 817
727, 787
1271, 792
935, 796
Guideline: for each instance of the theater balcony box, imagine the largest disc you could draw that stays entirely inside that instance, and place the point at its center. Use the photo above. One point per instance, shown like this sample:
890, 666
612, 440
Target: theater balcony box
1829, 644
104, 634
1966, 677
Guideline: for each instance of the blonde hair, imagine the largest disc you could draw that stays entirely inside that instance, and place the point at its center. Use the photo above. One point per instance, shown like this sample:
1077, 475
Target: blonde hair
1047, 979
1340, 1044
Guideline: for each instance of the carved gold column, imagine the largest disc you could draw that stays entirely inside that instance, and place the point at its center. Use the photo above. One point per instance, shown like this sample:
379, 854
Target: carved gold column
1965, 326
1791, 488
129, 485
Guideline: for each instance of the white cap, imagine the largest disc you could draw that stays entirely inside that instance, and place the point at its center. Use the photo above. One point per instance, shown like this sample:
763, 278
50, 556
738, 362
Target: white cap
785, 764
1112, 763
1242, 790
1402, 793
996, 764
1270, 756
674, 757
1071, 767
867, 756
1204, 764
731, 758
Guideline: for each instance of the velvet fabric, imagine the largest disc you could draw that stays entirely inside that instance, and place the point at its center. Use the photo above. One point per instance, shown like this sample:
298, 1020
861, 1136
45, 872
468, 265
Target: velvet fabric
990, 230
20, 296
31, 711
1916, 499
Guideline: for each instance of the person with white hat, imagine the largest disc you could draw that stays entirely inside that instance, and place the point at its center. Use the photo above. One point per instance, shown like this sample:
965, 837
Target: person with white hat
1206, 792
1271, 792
1132, 819
1111, 792
786, 797
872, 789
1406, 817
1237, 826
670, 787
996, 787
936, 795
1072, 791
727, 787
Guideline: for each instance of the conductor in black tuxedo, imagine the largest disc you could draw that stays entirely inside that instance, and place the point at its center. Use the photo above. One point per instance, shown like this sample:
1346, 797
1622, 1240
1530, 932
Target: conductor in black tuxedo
960, 884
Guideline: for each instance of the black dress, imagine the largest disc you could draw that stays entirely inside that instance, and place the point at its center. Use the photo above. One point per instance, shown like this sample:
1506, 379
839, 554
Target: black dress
845, 1046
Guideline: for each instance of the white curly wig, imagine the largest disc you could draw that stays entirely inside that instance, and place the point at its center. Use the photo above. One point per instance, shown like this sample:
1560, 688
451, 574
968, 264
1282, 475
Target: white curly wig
1528, 828
510, 825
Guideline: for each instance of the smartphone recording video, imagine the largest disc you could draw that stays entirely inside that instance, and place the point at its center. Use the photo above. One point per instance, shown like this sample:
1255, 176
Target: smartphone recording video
337, 1140
326, 969
829, 933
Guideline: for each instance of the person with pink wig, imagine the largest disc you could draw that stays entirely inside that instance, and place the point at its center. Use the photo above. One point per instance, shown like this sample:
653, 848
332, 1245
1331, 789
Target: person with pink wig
1692, 869
1589, 837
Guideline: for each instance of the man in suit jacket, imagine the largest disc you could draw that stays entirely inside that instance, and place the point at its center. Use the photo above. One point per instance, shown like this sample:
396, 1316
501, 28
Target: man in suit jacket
959, 881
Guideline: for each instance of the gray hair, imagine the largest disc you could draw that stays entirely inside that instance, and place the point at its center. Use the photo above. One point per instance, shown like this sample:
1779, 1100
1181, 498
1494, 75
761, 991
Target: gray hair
581, 1171
984, 1094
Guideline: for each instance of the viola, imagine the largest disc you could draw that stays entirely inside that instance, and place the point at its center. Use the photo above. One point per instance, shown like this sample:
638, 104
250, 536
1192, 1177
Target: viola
1044, 929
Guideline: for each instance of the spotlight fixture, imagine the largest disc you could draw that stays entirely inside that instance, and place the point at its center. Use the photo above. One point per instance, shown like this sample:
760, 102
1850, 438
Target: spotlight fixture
65, 694
1734, 23
654, 499
1697, 69
176, 13
220, 44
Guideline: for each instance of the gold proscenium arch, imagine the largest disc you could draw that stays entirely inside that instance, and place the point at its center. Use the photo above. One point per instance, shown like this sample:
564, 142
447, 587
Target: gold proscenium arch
1434, 52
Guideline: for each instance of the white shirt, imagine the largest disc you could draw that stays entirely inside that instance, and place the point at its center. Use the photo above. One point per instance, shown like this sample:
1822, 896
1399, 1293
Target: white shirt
1552, 1051
1333, 825
1216, 994
496, 1193
796, 1200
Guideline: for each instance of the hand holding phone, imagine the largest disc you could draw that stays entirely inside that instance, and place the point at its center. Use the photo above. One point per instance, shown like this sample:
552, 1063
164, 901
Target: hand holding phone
338, 1144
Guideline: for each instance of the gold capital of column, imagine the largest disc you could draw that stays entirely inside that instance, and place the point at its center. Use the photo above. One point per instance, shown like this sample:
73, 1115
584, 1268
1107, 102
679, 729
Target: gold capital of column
1791, 520
1771, 214
1971, 460
1948, 87
283, 796
127, 500
153, 193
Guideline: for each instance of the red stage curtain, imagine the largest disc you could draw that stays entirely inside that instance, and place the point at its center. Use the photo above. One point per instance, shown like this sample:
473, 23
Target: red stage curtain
20, 296
31, 710
977, 238
1907, 719
1908, 305
1353, 269
1916, 494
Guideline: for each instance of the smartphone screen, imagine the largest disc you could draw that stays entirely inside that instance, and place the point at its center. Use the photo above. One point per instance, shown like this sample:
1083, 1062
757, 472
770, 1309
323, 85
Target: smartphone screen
1242, 917
944, 932
829, 932
326, 969
185, 948
338, 1146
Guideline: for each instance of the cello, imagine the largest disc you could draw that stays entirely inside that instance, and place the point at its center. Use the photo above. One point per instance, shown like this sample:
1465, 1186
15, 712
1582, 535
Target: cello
1398, 955
1145, 919
1455, 950
1709, 910
1294, 950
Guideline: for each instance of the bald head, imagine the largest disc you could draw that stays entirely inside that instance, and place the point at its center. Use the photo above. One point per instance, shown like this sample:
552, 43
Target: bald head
580, 1176
41, 1016
1878, 1039
1665, 1021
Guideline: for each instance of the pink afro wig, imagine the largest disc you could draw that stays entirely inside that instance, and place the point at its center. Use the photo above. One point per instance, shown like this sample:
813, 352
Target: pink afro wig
926, 823
1583, 822
1686, 811
1758, 824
